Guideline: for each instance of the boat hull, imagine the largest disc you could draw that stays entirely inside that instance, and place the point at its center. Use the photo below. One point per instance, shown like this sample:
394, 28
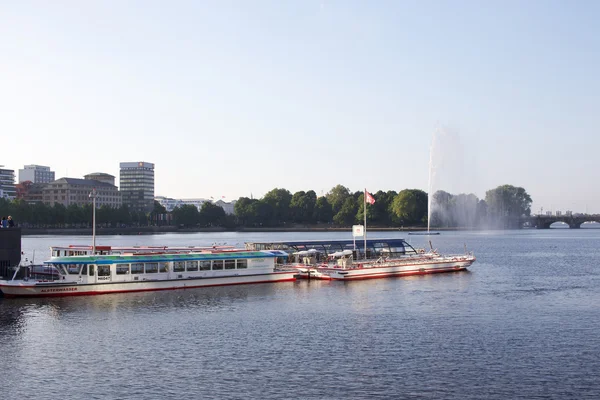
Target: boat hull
57, 289
386, 271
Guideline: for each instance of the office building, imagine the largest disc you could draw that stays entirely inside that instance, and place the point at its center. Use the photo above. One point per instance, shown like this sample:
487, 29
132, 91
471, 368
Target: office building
69, 191
136, 182
7, 183
36, 174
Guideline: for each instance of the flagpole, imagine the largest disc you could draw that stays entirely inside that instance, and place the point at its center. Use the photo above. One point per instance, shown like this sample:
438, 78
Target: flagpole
365, 216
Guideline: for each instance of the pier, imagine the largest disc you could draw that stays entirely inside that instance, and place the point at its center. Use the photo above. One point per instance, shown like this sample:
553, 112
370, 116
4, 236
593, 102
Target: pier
10, 249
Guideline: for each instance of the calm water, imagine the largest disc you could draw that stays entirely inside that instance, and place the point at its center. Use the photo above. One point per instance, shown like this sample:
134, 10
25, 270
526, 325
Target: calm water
523, 323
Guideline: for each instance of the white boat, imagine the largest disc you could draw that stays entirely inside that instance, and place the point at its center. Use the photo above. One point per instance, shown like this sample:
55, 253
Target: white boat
343, 267
348, 260
93, 274
373, 258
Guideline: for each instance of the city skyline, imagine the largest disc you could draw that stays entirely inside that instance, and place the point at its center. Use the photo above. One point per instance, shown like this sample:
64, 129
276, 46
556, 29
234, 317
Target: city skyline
235, 99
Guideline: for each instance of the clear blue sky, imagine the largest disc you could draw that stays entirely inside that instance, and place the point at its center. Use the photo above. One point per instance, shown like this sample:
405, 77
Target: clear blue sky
230, 98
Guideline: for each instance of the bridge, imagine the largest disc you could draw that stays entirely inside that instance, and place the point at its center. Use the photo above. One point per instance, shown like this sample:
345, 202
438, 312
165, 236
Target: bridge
544, 221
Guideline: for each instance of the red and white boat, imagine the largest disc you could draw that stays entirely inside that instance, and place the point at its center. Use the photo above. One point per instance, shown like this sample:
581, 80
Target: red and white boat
342, 267
347, 260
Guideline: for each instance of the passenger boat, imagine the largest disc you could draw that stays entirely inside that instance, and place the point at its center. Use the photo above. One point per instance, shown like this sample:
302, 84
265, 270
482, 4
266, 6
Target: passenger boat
93, 274
348, 260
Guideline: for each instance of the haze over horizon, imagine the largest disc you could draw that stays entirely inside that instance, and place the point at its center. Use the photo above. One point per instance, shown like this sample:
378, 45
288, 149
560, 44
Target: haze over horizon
236, 98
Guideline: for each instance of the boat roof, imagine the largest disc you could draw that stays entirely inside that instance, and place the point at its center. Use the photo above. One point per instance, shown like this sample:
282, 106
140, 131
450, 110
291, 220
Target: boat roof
329, 246
152, 257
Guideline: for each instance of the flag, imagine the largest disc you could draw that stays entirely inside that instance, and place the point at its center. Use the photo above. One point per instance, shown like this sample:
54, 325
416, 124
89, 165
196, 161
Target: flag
369, 198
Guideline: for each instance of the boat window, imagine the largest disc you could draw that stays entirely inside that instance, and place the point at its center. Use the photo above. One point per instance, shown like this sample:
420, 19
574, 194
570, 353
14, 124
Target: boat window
397, 250
60, 268
122, 269
229, 264
178, 266
92, 270
204, 265
151, 268
217, 265
191, 265
241, 264
103, 270
73, 269
137, 268
163, 267
84, 269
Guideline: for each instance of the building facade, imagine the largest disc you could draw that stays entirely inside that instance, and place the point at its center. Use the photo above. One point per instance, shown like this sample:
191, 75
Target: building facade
170, 204
69, 191
7, 183
36, 174
136, 182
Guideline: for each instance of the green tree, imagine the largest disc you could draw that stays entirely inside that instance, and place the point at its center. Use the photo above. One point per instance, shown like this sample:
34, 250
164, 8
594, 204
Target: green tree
410, 207
337, 196
211, 215
279, 201
323, 211
508, 200
186, 215
302, 207
104, 215
347, 214
245, 212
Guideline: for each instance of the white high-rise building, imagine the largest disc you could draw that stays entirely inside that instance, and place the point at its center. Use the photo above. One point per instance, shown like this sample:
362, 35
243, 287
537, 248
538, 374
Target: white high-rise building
36, 174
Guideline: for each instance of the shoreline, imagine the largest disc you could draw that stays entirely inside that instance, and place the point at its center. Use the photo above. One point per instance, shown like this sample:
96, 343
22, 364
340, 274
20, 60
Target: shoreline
151, 230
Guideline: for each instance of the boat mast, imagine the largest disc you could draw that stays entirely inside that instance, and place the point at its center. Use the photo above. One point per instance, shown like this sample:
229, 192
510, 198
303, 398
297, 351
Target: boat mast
365, 216
93, 196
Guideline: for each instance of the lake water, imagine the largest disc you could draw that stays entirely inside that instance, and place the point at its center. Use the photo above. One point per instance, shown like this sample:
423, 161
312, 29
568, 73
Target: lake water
523, 323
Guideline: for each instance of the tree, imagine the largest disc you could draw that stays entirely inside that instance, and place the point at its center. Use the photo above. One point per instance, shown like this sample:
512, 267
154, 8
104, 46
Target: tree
508, 201
337, 196
302, 207
442, 205
186, 215
347, 214
279, 200
410, 206
323, 211
244, 211
211, 215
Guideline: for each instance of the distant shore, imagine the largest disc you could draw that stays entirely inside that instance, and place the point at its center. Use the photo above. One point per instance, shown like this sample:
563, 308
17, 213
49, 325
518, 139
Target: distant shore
150, 230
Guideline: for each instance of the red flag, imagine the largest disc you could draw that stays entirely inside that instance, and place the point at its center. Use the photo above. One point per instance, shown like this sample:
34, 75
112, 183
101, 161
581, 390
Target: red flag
369, 198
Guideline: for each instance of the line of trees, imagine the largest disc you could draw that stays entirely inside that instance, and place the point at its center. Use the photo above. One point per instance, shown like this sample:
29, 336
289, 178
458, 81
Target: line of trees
501, 207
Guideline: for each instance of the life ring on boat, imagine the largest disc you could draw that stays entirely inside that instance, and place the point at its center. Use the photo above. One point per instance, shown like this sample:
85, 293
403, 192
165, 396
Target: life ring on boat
359, 265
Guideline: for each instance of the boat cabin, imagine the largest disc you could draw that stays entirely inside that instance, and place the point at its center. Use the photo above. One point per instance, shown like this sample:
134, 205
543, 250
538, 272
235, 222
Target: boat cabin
321, 249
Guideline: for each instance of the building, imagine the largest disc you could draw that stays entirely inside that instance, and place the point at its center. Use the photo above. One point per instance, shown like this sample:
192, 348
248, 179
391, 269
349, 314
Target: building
170, 204
102, 177
227, 207
7, 183
136, 183
36, 174
31, 192
69, 191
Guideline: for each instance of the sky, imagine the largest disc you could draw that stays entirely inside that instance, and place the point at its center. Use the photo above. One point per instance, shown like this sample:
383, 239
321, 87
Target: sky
235, 98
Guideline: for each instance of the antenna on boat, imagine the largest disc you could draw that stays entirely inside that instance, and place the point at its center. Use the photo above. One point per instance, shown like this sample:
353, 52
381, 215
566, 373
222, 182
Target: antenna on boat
430, 245
93, 197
